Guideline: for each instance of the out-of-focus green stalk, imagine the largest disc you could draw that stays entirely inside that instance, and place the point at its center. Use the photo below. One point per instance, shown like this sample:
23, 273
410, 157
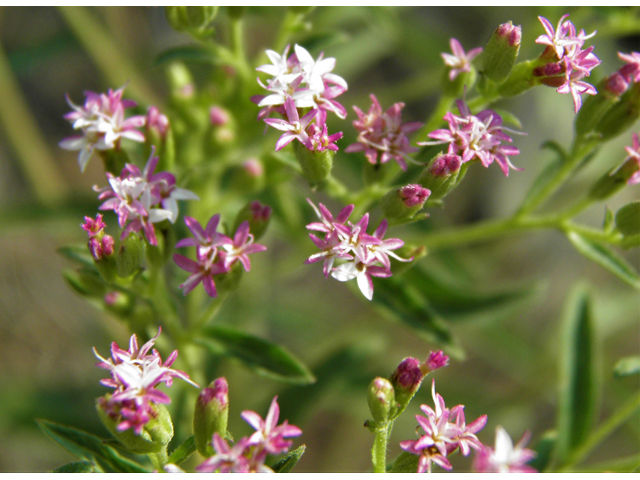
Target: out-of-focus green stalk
36, 161
379, 451
116, 67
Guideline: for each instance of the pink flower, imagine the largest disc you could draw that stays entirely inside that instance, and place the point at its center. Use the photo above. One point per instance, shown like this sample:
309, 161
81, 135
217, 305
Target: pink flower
436, 360
459, 62
478, 137
240, 247
269, 436
227, 459
505, 458
135, 374
562, 37
383, 134
630, 71
294, 128
103, 124
93, 227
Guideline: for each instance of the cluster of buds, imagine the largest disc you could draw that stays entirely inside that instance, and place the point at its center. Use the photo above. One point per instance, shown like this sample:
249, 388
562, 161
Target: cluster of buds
365, 255
102, 122
248, 454
100, 244
445, 431
480, 137
216, 253
136, 403
566, 63
383, 134
404, 202
134, 194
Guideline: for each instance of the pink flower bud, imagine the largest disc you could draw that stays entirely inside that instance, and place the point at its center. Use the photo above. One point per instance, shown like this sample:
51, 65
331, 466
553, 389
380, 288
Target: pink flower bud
407, 376
446, 165
218, 390
436, 360
157, 121
253, 167
616, 84
512, 33
414, 194
259, 212
107, 245
218, 116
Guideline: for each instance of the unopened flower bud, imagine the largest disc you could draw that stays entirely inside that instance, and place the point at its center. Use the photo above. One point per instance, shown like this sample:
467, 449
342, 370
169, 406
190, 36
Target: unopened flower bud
434, 361
194, 20
442, 174
159, 138
258, 216
316, 165
248, 177
157, 122
621, 115
381, 399
614, 181
180, 81
406, 380
155, 435
501, 52
211, 415
131, 255
218, 116
628, 219
404, 202
596, 106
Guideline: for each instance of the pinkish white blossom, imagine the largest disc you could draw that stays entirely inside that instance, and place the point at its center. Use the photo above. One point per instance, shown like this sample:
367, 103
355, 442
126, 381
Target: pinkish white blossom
103, 124
630, 71
382, 136
294, 127
478, 137
460, 61
269, 436
444, 433
135, 374
226, 459
504, 457
365, 255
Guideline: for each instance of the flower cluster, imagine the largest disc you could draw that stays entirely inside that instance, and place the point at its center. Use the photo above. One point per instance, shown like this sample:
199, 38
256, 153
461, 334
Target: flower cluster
212, 260
249, 453
570, 62
460, 61
366, 255
445, 431
135, 374
478, 137
383, 133
301, 82
134, 194
100, 244
504, 458
103, 124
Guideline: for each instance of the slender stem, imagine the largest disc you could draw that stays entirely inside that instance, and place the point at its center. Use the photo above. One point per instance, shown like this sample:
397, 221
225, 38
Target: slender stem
600, 434
435, 119
379, 451
237, 46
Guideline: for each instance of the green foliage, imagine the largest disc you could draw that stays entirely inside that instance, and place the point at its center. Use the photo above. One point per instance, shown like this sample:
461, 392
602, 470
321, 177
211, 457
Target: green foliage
405, 463
289, 461
183, 452
76, 467
627, 366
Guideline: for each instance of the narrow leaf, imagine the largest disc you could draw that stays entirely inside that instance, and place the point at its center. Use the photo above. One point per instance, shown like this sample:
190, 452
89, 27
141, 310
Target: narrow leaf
287, 463
90, 448
578, 382
264, 357
183, 452
605, 257
78, 254
76, 467
627, 366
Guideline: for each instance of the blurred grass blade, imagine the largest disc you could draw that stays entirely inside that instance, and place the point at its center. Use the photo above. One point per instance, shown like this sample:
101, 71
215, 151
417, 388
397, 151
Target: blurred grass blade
76, 467
605, 257
627, 366
578, 382
183, 452
264, 357
90, 448
287, 463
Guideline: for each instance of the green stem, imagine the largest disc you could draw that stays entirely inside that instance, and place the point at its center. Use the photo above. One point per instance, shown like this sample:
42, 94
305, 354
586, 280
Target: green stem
598, 436
435, 119
379, 451
159, 459
237, 46
290, 21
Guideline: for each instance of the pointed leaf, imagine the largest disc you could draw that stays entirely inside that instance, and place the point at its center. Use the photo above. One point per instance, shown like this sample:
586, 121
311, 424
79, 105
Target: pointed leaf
287, 463
77, 253
578, 382
264, 357
183, 452
405, 463
76, 467
627, 366
605, 257
90, 448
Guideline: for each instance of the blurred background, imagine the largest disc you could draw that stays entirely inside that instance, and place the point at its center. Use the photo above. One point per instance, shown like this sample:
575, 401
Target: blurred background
512, 355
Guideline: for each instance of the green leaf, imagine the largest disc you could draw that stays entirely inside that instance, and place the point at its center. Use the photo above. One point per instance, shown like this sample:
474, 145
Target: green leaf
78, 254
508, 118
628, 219
186, 53
264, 357
605, 257
90, 448
544, 450
629, 464
541, 182
76, 467
287, 463
183, 452
578, 381
405, 463
627, 366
